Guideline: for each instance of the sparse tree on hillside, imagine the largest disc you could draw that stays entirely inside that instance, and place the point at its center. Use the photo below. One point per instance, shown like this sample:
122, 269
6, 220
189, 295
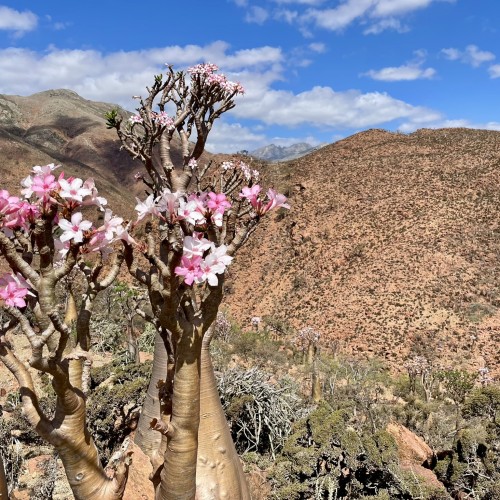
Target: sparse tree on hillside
194, 220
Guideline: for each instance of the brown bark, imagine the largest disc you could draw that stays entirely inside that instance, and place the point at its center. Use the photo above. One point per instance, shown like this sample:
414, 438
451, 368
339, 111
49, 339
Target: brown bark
146, 438
219, 473
178, 477
4, 494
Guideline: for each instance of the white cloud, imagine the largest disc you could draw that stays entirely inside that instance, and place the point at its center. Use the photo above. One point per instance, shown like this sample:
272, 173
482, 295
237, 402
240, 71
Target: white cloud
303, 2
256, 15
412, 70
383, 11
385, 8
289, 16
471, 55
232, 137
115, 77
494, 71
339, 17
323, 106
14, 20
401, 73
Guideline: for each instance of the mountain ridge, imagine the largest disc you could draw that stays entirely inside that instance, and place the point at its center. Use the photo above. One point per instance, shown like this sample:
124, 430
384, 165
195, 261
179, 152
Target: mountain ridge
391, 244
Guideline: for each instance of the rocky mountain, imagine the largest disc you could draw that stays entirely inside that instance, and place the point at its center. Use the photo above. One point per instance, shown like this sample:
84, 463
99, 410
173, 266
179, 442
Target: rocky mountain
391, 246
283, 153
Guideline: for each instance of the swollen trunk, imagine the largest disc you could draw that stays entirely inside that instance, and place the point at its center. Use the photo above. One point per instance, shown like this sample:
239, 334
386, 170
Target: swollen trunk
219, 474
147, 439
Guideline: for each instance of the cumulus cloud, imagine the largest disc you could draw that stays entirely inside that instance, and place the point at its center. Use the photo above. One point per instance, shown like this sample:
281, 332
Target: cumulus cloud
116, 76
471, 55
406, 72
303, 2
233, 137
389, 23
382, 13
323, 106
412, 70
14, 20
319, 48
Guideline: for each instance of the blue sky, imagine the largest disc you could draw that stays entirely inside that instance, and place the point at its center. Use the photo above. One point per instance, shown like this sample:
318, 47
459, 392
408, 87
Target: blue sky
314, 70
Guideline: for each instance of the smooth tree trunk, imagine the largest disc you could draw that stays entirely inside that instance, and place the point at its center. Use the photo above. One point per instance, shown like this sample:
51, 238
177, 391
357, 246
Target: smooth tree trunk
178, 477
81, 463
219, 474
146, 438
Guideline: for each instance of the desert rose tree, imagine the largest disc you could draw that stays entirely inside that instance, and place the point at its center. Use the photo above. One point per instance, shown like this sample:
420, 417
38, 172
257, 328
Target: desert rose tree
195, 218
191, 221
46, 240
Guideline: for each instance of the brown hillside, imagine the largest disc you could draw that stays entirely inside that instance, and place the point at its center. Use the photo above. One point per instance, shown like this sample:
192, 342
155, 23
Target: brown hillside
392, 243
59, 126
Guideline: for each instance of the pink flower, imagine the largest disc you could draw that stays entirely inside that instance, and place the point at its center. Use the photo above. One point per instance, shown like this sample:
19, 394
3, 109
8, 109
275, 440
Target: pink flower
135, 119
195, 245
167, 201
276, 200
61, 247
8, 204
192, 211
215, 263
190, 269
164, 120
98, 201
123, 234
74, 230
43, 184
251, 194
217, 202
13, 290
110, 225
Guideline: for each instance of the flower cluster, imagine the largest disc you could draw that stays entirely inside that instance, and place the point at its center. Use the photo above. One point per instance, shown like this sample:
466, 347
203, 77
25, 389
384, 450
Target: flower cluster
197, 209
42, 192
204, 69
13, 290
274, 199
207, 72
163, 120
202, 261
248, 173
484, 376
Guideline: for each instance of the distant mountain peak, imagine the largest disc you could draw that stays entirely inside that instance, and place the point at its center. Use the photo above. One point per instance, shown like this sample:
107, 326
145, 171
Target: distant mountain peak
272, 152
